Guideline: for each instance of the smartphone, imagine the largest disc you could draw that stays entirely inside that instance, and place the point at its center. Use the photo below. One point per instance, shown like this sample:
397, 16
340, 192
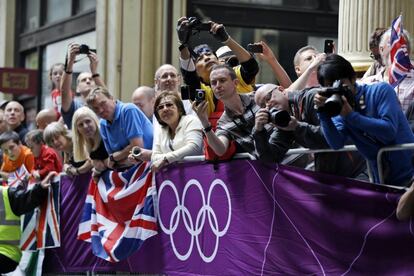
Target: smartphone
328, 47
254, 48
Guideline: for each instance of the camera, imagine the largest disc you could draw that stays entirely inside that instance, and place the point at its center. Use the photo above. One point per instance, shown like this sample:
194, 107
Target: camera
197, 25
254, 48
135, 151
333, 105
200, 96
84, 49
279, 117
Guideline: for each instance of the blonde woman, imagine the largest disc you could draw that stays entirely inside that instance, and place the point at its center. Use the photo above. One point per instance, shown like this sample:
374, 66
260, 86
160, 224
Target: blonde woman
57, 136
87, 141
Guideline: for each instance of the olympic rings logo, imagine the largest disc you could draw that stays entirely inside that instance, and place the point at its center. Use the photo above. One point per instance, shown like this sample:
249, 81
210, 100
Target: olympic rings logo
195, 228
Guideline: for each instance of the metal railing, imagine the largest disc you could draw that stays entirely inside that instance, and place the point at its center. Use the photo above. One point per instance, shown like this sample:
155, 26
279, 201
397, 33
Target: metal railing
347, 148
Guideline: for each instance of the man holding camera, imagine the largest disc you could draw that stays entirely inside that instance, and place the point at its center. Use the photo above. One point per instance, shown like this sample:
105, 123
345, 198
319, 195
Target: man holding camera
370, 116
196, 73
85, 83
304, 124
238, 118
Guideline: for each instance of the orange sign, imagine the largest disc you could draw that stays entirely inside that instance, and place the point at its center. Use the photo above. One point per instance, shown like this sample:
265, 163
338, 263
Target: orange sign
18, 81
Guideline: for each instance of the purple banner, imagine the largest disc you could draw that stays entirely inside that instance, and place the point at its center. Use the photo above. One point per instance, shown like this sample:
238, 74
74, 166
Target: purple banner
247, 218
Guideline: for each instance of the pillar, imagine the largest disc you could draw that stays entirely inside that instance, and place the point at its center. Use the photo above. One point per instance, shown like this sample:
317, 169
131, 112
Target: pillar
133, 39
359, 18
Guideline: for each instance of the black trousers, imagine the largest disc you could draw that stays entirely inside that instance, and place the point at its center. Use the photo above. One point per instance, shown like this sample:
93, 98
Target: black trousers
7, 264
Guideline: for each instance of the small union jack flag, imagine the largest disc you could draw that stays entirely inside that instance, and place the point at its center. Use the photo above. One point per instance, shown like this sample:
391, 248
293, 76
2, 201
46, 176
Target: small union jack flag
119, 213
400, 59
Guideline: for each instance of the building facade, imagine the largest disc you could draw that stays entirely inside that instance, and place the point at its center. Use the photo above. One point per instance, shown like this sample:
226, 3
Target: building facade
134, 37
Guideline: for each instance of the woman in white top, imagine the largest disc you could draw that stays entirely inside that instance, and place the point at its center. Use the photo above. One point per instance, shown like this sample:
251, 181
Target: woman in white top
178, 134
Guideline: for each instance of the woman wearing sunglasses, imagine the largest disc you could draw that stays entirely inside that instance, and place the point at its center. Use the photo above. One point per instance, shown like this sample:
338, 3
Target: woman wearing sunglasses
179, 135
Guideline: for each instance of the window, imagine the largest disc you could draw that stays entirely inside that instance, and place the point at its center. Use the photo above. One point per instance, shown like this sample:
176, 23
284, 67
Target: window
57, 10
31, 15
86, 5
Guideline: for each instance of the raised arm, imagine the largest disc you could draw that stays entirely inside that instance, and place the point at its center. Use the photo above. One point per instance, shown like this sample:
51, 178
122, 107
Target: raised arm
65, 86
269, 57
93, 64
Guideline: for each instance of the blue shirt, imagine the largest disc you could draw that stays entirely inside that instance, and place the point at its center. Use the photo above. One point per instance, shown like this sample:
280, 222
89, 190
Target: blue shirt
128, 123
377, 121
67, 116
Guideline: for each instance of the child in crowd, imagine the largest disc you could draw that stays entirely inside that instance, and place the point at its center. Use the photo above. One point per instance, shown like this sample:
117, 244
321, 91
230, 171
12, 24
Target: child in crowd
46, 159
14, 154
55, 76
58, 137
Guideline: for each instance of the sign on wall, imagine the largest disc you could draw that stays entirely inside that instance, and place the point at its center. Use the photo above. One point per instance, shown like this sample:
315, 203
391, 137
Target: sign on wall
18, 81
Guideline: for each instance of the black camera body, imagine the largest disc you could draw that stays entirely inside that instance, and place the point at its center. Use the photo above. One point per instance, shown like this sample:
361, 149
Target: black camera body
279, 117
200, 96
197, 25
84, 49
333, 105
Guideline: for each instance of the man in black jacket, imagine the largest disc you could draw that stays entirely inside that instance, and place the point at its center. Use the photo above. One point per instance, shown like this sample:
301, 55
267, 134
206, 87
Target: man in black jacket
305, 126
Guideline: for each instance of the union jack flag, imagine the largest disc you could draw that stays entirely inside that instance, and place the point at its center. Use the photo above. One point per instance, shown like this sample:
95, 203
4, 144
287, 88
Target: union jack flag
17, 177
400, 59
40, 227
119, 213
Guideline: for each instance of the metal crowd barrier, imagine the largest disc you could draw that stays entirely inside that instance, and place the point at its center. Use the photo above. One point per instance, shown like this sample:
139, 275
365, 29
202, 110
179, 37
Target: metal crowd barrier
408, 146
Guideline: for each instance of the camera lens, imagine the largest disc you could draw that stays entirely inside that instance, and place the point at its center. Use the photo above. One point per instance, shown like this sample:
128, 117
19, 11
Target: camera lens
333, 105
136, 151
279, 117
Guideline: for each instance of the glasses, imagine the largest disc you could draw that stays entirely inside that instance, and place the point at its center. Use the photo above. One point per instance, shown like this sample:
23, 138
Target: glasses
268, 97
171, 75
166, 105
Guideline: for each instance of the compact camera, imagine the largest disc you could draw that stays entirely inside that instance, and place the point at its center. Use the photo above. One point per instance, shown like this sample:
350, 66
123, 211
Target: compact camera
279, 117
200, 96
333, 105
136, 151
84, 49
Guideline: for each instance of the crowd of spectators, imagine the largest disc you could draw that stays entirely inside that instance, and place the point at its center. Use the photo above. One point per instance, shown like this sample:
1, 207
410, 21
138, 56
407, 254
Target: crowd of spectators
212, 105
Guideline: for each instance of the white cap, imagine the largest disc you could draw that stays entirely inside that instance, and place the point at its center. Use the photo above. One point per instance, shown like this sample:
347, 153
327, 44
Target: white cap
224, 51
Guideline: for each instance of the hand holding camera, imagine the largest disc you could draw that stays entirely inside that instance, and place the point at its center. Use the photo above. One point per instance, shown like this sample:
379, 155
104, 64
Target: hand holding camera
331, 100
219, 32
261, 118
183, 30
